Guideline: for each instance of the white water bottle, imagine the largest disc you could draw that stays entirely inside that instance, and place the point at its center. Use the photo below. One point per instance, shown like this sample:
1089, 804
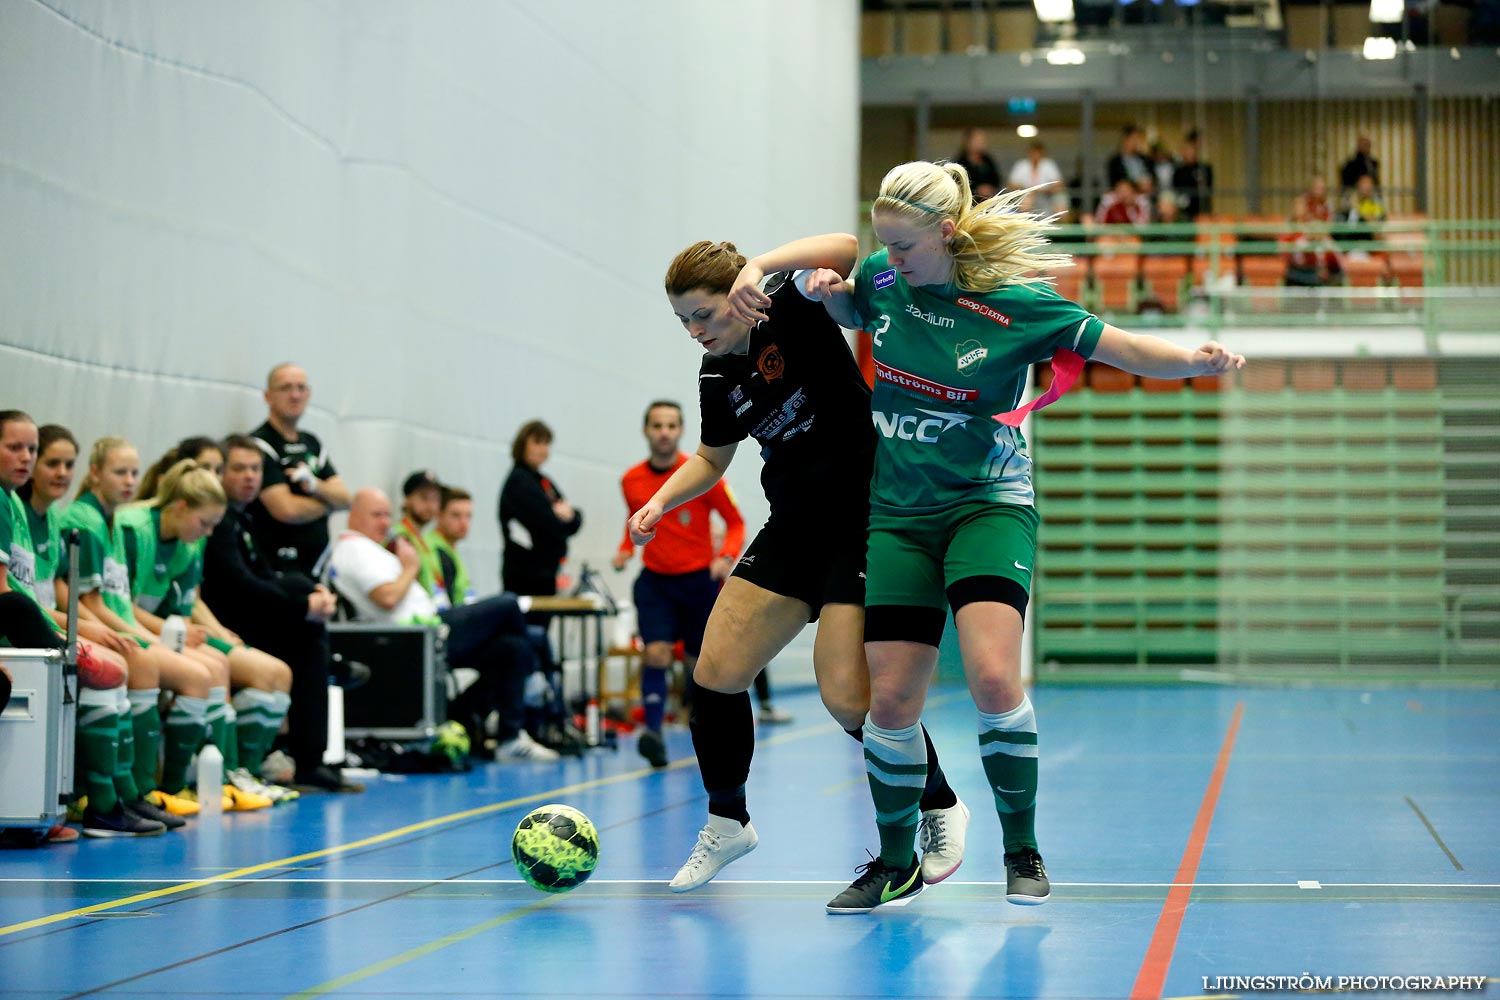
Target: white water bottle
210, 781
174, 632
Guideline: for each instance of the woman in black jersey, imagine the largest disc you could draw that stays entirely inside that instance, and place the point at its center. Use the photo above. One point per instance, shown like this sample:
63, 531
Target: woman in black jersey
791, 383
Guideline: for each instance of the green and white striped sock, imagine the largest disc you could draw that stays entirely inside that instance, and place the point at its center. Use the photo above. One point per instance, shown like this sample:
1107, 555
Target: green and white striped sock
896, 762
98, 747
145, 728
1008, 750
186, 727
255, 709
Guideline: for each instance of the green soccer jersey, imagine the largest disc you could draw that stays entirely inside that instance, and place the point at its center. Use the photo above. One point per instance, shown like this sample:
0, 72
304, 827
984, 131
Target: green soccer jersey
46, 542
101, 555
15, 544
946, 361
164, 574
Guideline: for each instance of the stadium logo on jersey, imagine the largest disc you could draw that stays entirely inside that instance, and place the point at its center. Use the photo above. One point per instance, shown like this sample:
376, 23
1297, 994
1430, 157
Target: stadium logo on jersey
770, 363
985, 311
931, 318
971, 354
885, 279
909, 427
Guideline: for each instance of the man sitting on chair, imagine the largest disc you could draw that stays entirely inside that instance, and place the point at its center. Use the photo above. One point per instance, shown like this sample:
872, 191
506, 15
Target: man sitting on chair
488, 636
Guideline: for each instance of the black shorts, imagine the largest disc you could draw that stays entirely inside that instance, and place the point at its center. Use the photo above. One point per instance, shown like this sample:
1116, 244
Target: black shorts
813, 559
669, 607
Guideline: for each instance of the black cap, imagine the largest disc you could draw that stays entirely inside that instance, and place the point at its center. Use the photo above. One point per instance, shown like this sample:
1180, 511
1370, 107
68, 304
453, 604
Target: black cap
420, 479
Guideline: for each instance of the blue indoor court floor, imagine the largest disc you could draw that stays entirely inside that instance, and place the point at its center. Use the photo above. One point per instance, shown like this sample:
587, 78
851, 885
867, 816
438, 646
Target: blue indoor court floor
1191, 832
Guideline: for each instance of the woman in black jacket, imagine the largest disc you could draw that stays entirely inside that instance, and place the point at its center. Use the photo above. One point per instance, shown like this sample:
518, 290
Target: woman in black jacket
535, 520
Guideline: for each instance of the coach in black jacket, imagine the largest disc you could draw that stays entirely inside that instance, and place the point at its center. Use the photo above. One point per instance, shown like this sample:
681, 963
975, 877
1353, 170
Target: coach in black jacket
281, 613
535, 520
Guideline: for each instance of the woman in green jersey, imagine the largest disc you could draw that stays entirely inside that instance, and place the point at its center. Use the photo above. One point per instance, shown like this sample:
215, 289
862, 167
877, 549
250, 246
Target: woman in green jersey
106, 745
104, 589
164, 543
957, 318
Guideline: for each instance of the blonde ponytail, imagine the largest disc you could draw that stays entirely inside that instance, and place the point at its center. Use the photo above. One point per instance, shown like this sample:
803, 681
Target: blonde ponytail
192, 483
994, 243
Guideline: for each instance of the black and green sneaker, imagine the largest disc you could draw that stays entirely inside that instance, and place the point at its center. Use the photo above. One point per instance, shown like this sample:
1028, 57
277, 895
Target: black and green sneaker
1026, 878
878, 883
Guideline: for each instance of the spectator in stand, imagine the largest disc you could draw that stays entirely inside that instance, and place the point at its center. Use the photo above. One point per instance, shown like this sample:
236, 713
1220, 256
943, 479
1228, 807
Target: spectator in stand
422, 495
981, 166
1361, 164
682, 570
281, 613
301, 487
1129, 162
1312, 259
488, 636
1193, 180
1163, 168
1038, 170
535, 520
1167, 214
1365, 210
1315, 203
1123, 205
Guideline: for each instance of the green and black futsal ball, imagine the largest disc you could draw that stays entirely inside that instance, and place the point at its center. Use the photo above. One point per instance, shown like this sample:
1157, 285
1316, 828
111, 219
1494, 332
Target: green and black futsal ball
555, 848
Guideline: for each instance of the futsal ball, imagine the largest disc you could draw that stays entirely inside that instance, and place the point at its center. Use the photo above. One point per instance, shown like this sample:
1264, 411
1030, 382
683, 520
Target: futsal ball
555, 848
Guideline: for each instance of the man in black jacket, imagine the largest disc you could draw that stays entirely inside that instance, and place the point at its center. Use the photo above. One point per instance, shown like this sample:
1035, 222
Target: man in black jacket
281, 613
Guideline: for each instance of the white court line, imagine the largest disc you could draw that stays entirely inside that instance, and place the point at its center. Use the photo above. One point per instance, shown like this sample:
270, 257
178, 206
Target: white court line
724, 881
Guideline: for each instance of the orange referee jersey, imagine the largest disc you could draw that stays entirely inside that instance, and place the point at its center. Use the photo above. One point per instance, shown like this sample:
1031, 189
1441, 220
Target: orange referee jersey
683, 542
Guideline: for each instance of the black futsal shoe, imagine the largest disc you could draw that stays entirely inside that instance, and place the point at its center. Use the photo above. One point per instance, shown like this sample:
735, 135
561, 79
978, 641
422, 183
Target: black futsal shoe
878, 883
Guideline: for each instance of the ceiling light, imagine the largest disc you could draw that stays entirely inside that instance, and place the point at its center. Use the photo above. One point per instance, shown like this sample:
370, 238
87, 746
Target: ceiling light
1054, 11
1067, 57
1026, 131
1380, 48
1387, 11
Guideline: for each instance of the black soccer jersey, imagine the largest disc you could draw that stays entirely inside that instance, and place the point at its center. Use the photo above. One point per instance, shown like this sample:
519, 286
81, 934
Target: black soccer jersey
800, 395
293, 546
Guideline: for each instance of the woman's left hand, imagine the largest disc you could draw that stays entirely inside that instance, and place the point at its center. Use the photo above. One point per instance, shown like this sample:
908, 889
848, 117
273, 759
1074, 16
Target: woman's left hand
747, 303
1213, 358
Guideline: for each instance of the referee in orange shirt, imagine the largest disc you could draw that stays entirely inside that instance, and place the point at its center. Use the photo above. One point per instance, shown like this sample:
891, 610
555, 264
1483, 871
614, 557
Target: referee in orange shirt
680, 580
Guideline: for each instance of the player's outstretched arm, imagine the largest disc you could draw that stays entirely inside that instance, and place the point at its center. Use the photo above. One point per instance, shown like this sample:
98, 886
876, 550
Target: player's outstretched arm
834, 251
1144, 354
693, 478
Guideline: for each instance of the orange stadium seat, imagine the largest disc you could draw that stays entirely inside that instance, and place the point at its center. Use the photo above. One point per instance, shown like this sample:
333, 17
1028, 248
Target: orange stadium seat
1164, 276
1115, 276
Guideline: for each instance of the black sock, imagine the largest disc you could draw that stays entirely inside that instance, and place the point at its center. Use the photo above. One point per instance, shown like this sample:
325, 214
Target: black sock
936, 794
723, 729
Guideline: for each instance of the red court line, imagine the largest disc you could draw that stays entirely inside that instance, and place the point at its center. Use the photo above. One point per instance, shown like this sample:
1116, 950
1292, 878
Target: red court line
1153, 975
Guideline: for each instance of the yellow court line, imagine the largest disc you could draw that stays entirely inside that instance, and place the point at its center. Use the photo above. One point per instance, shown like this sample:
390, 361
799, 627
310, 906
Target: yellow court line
421, 950
240, 873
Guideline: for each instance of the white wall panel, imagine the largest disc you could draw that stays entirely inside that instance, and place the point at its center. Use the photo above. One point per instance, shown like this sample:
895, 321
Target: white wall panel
455, 215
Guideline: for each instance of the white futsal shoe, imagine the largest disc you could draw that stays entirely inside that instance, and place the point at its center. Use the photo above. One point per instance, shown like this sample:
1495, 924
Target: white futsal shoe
941, 839
719, 843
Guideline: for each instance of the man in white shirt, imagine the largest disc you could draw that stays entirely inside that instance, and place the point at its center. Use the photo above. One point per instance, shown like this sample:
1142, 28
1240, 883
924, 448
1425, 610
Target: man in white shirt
1037, 170
488, 635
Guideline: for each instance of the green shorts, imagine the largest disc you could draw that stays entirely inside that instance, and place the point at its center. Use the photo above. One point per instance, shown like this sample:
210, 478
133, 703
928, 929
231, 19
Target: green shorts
224, 647
913, 559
